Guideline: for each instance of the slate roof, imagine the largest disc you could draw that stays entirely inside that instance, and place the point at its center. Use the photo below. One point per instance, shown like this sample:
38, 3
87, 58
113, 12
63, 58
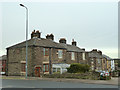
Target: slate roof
38, 42
4, 57
47, 43
105, 56
91, 54
71, 48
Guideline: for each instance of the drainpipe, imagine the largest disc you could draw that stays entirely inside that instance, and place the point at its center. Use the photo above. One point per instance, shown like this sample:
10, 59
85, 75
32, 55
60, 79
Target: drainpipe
61, 70
50, 66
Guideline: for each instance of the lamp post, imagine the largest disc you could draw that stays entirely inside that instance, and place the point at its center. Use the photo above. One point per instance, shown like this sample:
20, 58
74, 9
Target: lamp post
26, 35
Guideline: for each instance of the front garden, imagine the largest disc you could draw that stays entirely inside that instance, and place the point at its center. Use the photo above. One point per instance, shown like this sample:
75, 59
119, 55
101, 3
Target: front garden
78, 71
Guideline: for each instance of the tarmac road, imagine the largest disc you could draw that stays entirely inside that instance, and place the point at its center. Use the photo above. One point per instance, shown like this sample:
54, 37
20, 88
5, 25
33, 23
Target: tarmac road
10, 83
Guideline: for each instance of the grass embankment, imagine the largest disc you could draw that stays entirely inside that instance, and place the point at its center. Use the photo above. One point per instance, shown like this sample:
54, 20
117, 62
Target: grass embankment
12, 77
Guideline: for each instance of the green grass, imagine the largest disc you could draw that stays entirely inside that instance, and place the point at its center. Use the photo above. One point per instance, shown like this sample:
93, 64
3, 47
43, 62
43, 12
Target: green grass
12, 78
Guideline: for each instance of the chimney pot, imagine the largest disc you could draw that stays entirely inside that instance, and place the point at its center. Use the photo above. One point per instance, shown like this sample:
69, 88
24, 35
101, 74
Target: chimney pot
95, 50
62, 40
83, 49
35, 34
100, 52
74, 42
51, 36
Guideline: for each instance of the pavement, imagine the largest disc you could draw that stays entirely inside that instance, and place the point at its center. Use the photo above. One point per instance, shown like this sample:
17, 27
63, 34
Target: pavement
113, 81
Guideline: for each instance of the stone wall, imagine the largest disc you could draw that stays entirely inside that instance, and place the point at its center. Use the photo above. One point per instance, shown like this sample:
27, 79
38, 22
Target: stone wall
36, 58
14, 58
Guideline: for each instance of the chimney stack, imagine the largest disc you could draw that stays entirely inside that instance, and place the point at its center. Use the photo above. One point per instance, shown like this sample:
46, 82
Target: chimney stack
62, 40
83, 49
74, 42
35, 34
100, 52
51, 36
94, 50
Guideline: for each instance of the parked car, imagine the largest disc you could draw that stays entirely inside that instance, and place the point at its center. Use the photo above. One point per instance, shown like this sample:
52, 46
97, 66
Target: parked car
105, 75
2, 73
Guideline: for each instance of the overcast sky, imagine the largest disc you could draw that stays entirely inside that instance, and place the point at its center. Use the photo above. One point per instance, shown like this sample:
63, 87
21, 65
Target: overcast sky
91, 24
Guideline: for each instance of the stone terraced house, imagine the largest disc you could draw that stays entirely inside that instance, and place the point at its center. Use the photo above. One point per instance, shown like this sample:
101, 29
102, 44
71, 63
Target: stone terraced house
95, 60
42, 53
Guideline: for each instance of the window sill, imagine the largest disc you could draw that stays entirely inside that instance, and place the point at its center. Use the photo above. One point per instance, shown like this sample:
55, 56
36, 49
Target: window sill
22, 72
46, 72
60, 58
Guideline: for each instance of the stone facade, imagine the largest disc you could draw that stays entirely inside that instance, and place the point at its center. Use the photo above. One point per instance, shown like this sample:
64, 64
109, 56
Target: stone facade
38, 61
36, 58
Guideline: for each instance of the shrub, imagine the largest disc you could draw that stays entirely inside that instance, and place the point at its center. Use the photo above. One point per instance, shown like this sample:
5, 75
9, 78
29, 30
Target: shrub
78, 68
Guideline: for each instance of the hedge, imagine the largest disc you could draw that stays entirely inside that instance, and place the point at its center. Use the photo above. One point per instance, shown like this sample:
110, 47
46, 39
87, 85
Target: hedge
87, 75
78, 68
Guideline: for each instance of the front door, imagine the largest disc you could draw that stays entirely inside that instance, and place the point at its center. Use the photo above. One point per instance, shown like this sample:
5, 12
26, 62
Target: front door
37, 71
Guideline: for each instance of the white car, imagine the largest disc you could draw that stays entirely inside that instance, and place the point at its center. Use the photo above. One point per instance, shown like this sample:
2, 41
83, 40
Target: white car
105, 73
2, 73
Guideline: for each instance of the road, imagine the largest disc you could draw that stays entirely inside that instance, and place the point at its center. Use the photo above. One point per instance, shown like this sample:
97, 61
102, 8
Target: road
49, 84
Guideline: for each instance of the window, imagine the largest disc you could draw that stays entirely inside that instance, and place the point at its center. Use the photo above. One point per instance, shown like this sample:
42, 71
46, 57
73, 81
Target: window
72, 56
60, 53
45, 51
103, 61
23, 67
54, 69
92, 62
45, 68
98, 60
58, 69
92, 67
83, 55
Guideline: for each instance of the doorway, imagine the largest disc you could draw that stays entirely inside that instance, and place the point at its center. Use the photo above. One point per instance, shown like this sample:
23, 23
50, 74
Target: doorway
37, 71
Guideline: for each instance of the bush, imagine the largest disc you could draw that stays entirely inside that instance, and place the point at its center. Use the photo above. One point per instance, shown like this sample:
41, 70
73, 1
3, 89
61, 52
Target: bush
78, 68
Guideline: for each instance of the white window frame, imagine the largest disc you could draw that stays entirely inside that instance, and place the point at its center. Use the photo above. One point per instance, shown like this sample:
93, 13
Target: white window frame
72, 55
83, 56
99, 61
60, 53
92, 62
92, 67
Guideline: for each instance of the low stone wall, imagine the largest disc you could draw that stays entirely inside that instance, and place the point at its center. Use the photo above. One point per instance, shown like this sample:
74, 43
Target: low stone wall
87, 75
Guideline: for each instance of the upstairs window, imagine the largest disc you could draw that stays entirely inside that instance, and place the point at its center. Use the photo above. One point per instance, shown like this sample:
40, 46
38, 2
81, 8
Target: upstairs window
103, 61
98, 60
92, 59
72, 56
83, 56
60, 53
45, 51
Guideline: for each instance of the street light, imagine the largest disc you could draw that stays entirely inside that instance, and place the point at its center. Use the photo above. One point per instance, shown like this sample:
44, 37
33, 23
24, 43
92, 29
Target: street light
26, 35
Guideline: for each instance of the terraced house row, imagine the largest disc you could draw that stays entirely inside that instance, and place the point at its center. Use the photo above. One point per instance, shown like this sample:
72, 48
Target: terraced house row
44, 53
